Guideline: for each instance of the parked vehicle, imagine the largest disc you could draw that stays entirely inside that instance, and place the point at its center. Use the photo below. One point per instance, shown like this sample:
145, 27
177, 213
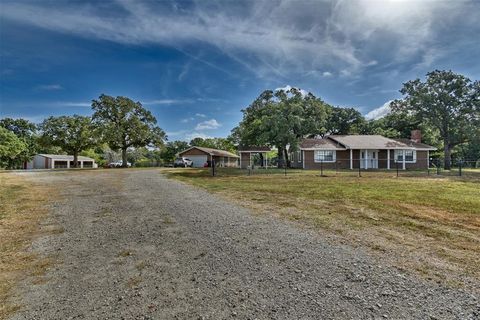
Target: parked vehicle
118, 164
182, 162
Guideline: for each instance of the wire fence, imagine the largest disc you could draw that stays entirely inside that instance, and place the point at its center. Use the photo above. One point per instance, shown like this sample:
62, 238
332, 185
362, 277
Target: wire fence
360, 168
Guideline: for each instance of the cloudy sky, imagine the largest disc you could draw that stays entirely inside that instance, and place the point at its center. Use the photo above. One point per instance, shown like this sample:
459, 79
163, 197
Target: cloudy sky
196, 64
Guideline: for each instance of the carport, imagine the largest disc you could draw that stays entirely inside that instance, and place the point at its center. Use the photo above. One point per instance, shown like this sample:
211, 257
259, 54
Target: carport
247, 156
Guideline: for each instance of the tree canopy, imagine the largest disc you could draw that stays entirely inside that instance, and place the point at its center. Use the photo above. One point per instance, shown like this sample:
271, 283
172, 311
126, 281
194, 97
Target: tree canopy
26, 132
73, 134
124, 123
446, 101
281, 118
11, 147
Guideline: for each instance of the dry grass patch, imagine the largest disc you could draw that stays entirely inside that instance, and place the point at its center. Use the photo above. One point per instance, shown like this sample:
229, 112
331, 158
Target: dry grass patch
22, 207
427, 224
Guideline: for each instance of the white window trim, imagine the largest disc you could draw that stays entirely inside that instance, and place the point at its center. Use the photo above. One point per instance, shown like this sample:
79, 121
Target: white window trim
400, 152
324, 161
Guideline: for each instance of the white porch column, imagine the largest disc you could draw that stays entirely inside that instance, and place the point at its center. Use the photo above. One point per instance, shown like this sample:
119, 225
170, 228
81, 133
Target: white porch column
266, 160
366, 159
351, 159
403, 162
241, 160
388, 159
81, 164
428, 159
303, 159
68, 164
53, 165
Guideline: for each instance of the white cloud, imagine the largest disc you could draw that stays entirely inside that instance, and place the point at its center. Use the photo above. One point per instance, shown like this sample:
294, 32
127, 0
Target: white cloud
327, 74
208, 125
288, 87
200, 115
75, 104
187, 120
166, 101
49, 87
379, 112
269, 40
193, 135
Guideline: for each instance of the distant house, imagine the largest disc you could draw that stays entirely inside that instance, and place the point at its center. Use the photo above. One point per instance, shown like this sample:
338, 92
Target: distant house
364, 151
58, 161
201, 156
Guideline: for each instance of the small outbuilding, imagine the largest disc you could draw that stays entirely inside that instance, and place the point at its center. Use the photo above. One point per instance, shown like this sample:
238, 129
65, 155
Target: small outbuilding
202, 156
58, 161
253, 155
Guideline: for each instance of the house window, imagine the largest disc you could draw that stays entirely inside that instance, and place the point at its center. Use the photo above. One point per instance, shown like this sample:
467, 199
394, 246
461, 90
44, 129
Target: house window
299, 156
410, 155
325, 155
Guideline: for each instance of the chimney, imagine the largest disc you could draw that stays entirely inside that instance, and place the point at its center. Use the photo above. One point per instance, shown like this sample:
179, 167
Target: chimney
416, 136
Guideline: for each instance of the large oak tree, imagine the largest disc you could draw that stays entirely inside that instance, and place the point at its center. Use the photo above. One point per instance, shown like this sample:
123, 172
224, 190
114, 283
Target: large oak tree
281, 118
124, 124
446, 101
73, 134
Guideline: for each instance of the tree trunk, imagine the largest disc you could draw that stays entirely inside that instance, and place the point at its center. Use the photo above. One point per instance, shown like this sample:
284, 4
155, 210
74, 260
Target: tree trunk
287, 159
447, 151
281, 157
124, 158
75, 159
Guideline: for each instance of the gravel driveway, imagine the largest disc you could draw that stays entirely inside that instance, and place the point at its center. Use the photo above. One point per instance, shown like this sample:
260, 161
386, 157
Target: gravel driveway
137, 245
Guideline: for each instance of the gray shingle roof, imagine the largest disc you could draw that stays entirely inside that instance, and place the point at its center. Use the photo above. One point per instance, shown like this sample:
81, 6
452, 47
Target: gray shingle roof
416, 145
324, 143
369, 142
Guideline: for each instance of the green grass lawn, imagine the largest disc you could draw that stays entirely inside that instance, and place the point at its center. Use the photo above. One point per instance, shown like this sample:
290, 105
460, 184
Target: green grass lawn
430, 224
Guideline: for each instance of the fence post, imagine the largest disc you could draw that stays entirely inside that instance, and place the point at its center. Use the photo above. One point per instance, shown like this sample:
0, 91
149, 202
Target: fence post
321, 168
397, 167
359, 169
460, 168
213, 167
438, 167
285, 167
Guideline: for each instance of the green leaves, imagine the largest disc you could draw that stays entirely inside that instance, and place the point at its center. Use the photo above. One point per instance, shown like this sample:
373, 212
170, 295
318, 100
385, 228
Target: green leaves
123, 123
446, 101
281, 118
10, 147
72, 134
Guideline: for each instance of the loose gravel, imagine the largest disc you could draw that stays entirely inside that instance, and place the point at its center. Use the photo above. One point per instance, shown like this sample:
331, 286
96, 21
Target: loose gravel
137, 245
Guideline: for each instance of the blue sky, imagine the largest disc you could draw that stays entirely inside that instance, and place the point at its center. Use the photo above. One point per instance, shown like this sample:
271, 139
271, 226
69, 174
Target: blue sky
196, 64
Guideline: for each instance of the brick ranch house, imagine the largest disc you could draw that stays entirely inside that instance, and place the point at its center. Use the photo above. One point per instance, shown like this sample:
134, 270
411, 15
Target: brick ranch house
364, 151
201, 155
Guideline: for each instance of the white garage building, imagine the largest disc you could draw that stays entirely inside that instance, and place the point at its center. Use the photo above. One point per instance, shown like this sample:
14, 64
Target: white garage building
59, 161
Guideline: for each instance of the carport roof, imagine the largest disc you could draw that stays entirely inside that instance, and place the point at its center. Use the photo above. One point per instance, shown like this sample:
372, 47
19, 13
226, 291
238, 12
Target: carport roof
212, 152
254, 149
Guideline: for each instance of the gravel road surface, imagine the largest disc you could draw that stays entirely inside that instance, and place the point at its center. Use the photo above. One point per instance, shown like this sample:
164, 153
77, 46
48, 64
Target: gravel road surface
137, 245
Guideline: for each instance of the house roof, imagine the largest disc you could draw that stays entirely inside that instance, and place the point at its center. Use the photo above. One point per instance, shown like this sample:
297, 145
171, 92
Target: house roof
416, 145
254, 149
369, 142
64, 157
324, 143
212, 152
